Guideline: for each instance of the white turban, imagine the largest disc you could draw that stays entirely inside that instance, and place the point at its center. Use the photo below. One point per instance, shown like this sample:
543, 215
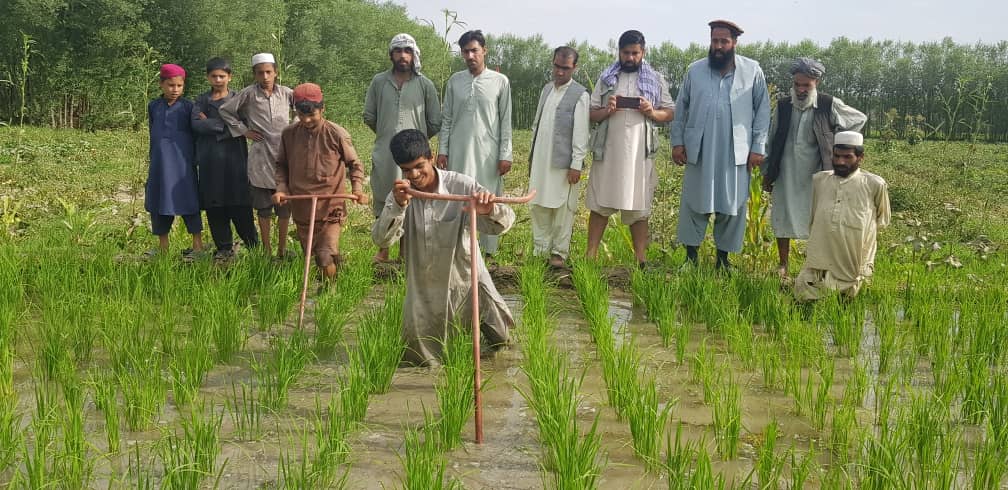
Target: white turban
404, 41
851, 138
263, 58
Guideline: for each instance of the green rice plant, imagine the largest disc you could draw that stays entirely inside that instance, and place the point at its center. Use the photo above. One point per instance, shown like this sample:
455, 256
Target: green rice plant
10, 419
276, 299
648, 418
188, 368
103, 384
997, 413
298, 473
141, 473
53, 353
275, 376
72, 462
844, 433
593, 293
333, 311
727, 418
654, 290
703, 473
191, 457
817, 398
933, 443
702, 364
224, 320
143, 392
800, 470
423, 458
35, 472
355, 388
769, 466
454, 386
379, 341
245, 412
741, 341
770, 363
844, 322
619, 369
990, 465
679, 457
884, 319
857, 385
330, 439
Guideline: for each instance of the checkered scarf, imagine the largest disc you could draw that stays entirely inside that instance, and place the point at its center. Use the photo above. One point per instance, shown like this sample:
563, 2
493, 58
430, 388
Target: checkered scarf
648, 81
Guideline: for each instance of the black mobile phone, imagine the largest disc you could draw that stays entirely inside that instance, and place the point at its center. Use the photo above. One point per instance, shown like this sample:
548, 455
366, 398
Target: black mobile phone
627, 102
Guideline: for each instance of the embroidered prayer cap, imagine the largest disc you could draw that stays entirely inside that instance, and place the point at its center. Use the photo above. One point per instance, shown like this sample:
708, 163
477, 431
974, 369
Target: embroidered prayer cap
263, 58
307, 92
727, 24
402, 41
851, 138
808, 67
169, 70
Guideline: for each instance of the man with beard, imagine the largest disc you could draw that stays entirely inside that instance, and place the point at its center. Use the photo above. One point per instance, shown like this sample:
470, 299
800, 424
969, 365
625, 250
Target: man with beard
629, 102
849, 205
397, 99
475, 137
801, 144
720, 135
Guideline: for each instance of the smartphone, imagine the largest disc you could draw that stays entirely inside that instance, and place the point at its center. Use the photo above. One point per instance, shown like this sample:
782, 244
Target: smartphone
627, 102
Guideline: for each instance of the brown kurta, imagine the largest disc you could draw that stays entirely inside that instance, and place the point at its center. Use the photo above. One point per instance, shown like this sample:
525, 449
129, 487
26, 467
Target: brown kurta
317, 162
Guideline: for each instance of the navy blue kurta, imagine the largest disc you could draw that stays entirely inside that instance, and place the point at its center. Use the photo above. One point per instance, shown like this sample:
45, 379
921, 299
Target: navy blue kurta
171, 177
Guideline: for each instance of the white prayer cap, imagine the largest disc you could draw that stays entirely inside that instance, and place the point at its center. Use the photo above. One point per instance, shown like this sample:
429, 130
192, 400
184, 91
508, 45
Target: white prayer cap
852, 138
263, 58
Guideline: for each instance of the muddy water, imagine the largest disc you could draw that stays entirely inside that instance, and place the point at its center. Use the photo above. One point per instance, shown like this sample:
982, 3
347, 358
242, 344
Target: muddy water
509, 456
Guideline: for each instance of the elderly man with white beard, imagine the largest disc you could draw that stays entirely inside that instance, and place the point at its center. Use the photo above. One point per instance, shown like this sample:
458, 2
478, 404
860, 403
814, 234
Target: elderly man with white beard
801, 144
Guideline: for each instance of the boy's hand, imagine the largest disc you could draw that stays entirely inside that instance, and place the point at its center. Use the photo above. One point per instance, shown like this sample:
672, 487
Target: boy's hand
484, 203
399, 188
503, 167
253, 135
362, 198
279, 198
442, 161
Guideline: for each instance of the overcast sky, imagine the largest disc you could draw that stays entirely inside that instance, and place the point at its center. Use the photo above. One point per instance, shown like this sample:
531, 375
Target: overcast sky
598, 21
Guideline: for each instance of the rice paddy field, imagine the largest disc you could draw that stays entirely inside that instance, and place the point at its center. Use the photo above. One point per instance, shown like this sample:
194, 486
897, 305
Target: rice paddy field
120, 372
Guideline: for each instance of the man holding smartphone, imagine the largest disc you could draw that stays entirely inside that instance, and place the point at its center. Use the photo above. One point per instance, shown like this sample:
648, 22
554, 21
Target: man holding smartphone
630, 101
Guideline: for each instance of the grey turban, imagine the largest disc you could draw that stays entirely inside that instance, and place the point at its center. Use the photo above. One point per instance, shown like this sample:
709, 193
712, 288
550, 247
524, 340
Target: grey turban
403, 41
808, 67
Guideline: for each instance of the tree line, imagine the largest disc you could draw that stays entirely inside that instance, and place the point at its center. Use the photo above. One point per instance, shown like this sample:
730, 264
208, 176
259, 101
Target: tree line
94, 63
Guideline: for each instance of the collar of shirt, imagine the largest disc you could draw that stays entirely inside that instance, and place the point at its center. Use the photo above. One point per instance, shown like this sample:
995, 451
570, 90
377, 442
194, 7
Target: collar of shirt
564, 86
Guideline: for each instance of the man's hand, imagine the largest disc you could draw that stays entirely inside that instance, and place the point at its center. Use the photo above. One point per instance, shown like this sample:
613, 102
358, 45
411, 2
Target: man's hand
201, 116
442, 161
573, 176
484, 203
254, 135
646, 108
755, 160
679, 154
503, 167
399, 188
279, 198
767, 185
611, 105
362, 198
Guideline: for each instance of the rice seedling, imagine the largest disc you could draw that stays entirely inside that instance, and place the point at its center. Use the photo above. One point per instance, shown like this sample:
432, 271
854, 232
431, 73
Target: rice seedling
191, 457
817, 395
355, 388
727, 418
800, 469
103, 384
654, 290
379, 342
997, 413
332, 311
703, 473
884, 319
619, 369
330, 439
593, 293
454, 387
141, 474
770, 363
741, 341
10, 419
679, 458
72, 462
276, 375
769, 466
245, 412
188, 368
932, 443
990, 465
36, 473
224, 320
277, 298
647, 418
143, 393
298, 473
423, 459
844, 433
857, 385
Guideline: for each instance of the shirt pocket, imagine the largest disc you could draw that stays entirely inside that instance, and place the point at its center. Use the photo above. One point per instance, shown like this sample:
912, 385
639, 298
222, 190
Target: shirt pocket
854, 218
328, 163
